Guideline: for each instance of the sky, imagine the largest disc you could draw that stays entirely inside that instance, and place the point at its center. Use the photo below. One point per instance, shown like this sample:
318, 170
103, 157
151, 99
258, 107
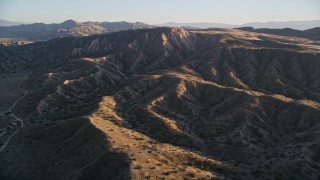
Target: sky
160, 11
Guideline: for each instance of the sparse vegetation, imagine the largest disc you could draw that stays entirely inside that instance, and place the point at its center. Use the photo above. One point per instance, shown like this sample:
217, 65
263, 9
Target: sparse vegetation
192, 104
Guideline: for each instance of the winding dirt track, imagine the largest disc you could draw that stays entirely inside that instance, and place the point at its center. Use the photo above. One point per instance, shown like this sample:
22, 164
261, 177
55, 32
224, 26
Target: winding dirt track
17, 118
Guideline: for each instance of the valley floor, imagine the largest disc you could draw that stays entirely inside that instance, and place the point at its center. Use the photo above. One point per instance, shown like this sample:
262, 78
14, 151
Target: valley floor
11, 94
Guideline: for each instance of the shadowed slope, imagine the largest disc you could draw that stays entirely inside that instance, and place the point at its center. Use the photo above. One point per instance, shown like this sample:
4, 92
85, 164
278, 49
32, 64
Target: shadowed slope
206, 96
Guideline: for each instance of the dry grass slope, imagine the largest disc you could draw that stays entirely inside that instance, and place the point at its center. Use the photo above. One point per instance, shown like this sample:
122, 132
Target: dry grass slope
167, 104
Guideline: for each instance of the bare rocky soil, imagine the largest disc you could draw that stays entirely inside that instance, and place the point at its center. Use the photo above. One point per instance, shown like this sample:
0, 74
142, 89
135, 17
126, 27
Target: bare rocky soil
166, 104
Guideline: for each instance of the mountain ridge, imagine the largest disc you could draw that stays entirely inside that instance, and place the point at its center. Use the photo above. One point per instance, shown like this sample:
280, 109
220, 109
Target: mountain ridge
313, 33
167, 103
41, 31
27, 33
299, 25
4, 22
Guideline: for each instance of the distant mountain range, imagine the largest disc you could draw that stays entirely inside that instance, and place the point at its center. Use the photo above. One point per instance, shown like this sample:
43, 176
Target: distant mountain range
8, 23
41, 31
201, 25
299, 25
15, 32
313, 33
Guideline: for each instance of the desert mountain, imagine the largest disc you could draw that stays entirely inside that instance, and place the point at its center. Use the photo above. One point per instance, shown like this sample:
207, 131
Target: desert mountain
313, 33
200, 25
41, 31
9, 23
299, 25
163, 103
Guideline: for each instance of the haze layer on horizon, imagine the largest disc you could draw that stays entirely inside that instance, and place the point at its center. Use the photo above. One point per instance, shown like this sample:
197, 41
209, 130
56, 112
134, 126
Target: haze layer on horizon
156, 11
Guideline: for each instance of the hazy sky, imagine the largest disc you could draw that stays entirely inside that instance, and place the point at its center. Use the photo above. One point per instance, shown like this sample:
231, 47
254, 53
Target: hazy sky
160, 11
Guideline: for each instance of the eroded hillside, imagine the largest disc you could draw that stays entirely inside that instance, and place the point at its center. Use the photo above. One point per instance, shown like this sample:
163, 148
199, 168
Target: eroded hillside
166, 103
